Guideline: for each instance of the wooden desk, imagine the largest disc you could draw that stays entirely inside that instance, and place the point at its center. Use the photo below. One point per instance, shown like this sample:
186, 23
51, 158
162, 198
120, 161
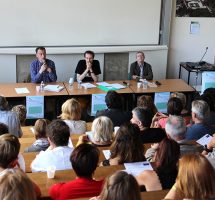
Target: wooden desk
167, 85
8, 90
40, 178
27, 132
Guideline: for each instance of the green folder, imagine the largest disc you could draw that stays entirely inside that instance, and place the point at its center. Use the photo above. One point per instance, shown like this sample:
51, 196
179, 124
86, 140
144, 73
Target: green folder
106, 89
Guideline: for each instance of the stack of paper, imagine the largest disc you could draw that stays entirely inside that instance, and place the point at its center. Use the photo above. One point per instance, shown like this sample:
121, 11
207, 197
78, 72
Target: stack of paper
88, 85
22, 90
204, 140
53, 88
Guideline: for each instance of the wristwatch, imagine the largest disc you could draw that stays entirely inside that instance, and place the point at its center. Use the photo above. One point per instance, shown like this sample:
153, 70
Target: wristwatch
207, 150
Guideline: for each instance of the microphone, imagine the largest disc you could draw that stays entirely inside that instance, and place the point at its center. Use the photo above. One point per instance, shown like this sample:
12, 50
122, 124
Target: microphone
202, 62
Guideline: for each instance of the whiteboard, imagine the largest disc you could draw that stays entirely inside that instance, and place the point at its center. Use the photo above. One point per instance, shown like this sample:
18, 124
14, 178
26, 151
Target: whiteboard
79, 22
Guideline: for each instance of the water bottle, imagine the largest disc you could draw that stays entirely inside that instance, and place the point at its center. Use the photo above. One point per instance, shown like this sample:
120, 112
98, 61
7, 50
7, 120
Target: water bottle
145, 84
79, 84
42, 86
71, 81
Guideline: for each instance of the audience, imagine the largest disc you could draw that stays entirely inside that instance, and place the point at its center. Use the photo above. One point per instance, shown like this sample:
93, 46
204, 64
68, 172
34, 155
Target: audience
200, 112
113, 101
165, 167
84, 160
71, 114
9, 156
102, 133
21, 112
3, 128
195, 180
9, 118
41, 143
146, 102
15, 185
143, 118
176, 130
127, 146
58, 152
119, 186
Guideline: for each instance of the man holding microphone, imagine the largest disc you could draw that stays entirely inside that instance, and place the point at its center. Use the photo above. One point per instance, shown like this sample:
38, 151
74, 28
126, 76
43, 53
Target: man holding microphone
42, 69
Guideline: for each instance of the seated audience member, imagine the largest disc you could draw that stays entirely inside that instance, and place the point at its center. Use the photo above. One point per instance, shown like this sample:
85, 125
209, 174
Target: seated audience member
42, 69
143, 118
209, 151
200, 112
126, 147
3, 128
165, 167
176, 130
195, 180
58, 153
141, 69
208, 98
120, 185
15, 185
102, 132
114, 111
9, 118
41, 143
21, 112
71, 115
174, 107
9, 157
84, 160
88, 70
146, 102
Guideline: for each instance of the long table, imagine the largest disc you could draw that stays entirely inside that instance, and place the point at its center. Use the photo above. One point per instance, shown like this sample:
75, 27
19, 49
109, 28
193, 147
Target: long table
8, 90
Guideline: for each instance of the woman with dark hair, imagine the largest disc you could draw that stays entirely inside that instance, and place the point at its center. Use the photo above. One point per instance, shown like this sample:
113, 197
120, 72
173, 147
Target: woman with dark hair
127, 146
114, 111
195, 180
165, 167
120, 185
84, 160
9, 118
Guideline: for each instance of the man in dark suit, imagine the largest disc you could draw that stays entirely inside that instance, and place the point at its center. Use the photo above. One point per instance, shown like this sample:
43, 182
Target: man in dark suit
141, 69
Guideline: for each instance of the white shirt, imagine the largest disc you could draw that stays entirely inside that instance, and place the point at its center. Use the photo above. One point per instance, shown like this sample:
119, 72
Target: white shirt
77, 127
58, 157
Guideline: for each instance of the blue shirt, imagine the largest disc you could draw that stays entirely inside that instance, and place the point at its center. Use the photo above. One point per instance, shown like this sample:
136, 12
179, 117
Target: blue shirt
46, 77
196, 131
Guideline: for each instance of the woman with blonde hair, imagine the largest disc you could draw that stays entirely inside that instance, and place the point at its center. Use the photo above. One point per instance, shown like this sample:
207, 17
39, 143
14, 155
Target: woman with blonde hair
15, 185
195, 180
71, 114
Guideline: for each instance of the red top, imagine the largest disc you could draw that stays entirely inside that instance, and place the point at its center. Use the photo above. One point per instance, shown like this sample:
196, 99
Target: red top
78, 188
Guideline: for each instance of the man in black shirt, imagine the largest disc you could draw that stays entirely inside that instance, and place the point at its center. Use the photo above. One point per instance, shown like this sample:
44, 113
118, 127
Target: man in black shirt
88, 70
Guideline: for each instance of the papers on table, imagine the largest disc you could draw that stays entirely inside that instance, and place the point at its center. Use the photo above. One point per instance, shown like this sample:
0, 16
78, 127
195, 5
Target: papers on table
53, 88
107, 86
204, 140
89, 135
35, 107
88, 85
103, 84
106, 154
136, 168
22, 90
153, 84
98, 103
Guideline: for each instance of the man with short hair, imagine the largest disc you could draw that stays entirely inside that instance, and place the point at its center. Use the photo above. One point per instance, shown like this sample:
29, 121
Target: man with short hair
42, 69
58, 153
200, 112
140, 68
88, 70
142, 118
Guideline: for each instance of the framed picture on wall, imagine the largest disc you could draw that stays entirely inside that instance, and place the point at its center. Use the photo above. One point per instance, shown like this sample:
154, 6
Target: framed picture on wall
195, 8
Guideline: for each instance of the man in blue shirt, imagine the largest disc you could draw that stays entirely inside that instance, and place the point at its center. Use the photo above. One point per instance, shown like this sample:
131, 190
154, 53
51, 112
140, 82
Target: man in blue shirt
42, 69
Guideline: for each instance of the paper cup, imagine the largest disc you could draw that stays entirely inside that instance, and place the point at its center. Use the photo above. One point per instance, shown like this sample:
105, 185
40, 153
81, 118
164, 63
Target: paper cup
139, 84
51, 171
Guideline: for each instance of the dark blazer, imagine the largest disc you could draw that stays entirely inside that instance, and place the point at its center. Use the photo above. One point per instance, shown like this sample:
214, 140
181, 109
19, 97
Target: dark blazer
117, 116
147, 70
151, 135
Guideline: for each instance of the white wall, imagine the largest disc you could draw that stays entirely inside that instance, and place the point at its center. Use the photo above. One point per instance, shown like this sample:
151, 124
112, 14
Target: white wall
187, 47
